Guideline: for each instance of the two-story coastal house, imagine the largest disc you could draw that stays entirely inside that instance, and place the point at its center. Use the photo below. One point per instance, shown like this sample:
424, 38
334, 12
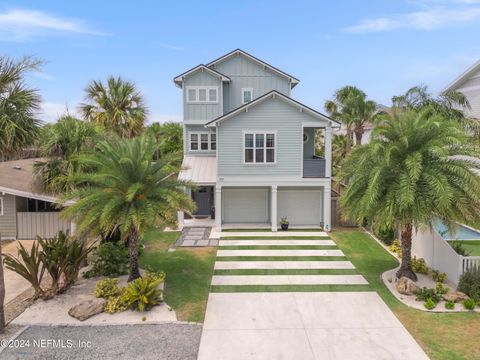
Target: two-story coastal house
250, 148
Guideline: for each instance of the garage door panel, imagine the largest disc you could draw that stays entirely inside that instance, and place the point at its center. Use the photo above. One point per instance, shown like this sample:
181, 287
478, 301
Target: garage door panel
301, 207
245, 205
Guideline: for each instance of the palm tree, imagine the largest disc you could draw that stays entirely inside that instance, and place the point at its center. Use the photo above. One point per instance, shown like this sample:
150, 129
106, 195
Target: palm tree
417, 167
169, 136
18, 105
339, 153
117, 106
127, 190
59, 144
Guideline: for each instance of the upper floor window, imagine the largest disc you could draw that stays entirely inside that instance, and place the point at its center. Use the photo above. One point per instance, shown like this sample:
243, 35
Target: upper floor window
203, 141
247, 95
202, 94
259, 147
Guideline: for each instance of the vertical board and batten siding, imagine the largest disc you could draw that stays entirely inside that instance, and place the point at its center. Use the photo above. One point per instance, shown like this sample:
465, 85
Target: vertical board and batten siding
270, 115
192, 111
8, 221
195, 128
244, 73
43, 224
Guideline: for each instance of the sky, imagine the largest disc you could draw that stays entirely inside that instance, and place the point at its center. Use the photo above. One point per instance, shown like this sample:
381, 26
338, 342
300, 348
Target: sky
383, 47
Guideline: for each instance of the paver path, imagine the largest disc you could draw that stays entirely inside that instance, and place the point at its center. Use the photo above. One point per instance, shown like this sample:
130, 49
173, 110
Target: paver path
293, 298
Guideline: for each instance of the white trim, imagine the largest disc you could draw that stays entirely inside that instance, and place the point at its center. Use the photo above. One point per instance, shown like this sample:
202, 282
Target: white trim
244, 90
466, 74
1, 206
197, 94
264, 133
29, 195
199, 135
180, 78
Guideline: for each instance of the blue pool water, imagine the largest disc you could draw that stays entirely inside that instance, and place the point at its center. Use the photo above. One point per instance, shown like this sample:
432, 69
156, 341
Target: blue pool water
461, 233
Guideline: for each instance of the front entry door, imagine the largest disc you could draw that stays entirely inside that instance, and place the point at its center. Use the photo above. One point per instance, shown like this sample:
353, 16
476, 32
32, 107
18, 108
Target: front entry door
202, 198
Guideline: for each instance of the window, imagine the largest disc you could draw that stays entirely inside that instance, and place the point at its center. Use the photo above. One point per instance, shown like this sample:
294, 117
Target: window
202, 94
1, 206
203, 141
247, 95
259, 147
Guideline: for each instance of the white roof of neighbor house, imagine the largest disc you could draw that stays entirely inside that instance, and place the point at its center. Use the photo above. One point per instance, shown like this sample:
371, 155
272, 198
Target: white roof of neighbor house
463, 77
199, 169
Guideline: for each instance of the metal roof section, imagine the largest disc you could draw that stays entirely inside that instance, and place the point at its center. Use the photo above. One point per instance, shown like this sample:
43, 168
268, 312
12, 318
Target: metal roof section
199, 169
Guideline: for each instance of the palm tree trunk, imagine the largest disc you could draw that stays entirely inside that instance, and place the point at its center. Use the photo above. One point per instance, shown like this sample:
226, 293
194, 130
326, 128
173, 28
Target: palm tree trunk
406, 265
348, 143
358, 134
2, 291
133, 238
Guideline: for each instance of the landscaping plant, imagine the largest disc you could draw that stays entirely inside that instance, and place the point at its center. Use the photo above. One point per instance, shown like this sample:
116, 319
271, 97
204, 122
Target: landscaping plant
469, 304
424, 294
450, 305
440, 289
396, 248
469, 284
459, 249
419, 266
143, 293
430, 304
108, 259
107, 288
439, 277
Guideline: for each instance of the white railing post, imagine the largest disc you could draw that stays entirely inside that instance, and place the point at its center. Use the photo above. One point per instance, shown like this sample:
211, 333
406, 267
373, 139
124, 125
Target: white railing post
273, 210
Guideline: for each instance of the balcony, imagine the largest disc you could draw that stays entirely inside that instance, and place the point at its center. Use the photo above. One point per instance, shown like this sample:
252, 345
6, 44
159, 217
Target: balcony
314, 167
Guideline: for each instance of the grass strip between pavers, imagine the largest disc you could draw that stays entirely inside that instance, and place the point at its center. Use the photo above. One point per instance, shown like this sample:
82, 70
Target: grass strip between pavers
279, 247
289, 288
281, 258
286, 272
275, 238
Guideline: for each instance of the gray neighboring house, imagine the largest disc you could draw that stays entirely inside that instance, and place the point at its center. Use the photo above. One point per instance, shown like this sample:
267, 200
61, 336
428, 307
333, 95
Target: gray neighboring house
25, 212
468, 84
250, 148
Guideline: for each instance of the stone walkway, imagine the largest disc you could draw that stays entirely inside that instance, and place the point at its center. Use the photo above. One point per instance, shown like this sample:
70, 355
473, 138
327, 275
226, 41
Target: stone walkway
296, 298
195, 236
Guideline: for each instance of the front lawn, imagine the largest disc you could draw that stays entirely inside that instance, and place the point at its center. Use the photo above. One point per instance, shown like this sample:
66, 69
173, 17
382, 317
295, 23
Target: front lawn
472, 246
442, 336
189, 273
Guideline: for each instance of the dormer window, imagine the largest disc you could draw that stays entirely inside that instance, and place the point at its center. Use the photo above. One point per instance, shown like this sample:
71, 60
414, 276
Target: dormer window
202, 94
247, 95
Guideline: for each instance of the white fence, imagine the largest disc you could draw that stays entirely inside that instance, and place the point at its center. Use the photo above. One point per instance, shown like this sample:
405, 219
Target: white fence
439, 255
44, 224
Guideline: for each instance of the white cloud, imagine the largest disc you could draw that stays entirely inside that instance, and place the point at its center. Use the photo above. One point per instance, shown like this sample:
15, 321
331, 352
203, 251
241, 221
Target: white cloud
51, 111
161, 118
42, 75
22, 24
429, 19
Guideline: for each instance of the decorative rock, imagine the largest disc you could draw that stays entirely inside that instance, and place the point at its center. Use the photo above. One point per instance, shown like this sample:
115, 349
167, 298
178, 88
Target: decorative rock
406, 286
87, 309
455, 296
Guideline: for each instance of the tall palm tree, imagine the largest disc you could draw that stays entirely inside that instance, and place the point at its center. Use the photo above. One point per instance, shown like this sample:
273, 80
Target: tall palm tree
117, 106
417, 167
18, 105
127, 190
59, 144
169, 137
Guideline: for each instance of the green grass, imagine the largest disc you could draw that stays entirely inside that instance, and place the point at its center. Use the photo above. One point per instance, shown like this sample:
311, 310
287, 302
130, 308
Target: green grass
189, 273
444, 336
286, 272
472, 246
279, 247
281, 258
289, 288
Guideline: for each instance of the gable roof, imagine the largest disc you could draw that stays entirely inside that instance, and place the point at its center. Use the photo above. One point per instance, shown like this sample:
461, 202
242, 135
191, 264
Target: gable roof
178, 80
273, 95
463, 77
293, 80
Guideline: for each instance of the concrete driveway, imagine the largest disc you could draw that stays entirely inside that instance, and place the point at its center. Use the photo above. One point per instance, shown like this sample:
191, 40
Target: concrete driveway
14, 283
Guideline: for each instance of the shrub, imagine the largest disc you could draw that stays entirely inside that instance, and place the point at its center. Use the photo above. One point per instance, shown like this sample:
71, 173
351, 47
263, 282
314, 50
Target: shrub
469, 304
440, 289
430, 304
107, 288
438, 277
396, 248
420, 266
469, 283
459, 249
386, 236
424, 294
450, 305
109, 259
116, 303
142, 293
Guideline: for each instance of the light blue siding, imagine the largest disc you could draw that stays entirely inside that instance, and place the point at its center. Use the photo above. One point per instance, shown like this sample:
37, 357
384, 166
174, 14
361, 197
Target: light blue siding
245, 73
195, 128
270, 115
202, 111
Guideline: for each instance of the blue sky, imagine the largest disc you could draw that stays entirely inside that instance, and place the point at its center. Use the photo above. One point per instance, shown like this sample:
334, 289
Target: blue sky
383, 47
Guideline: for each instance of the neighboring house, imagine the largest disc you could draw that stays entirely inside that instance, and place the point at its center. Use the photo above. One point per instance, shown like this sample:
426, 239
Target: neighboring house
469, 84
26, 212
250, 148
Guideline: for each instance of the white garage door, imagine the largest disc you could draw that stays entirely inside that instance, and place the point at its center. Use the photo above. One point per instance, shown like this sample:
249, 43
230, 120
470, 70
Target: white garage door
301, 207
245, 205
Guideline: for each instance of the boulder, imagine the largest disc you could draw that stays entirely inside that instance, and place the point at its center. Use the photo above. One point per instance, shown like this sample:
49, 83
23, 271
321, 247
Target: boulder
405, 286
86, 309
455, 296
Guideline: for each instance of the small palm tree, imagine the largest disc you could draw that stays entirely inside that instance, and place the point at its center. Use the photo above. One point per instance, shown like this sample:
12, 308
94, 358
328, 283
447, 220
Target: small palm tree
127, 190
18, 105
117, 106
417, 167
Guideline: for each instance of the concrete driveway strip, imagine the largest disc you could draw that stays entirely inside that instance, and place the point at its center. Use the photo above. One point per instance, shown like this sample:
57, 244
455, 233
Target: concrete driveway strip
289, 265
221, 253
289, 280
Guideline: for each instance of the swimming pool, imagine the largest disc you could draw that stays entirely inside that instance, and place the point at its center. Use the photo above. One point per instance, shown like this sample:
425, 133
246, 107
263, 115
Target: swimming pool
462, 232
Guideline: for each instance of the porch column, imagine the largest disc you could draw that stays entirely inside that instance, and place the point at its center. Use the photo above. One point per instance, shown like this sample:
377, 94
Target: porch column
73, 228
327, 207
273, 209
328, 152
218, 207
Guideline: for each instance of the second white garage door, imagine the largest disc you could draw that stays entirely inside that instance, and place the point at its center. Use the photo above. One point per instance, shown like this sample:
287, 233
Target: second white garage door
301, 207
245, 205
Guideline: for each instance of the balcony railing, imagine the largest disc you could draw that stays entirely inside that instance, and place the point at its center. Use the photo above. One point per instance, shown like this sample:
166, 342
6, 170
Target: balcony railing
314, 167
